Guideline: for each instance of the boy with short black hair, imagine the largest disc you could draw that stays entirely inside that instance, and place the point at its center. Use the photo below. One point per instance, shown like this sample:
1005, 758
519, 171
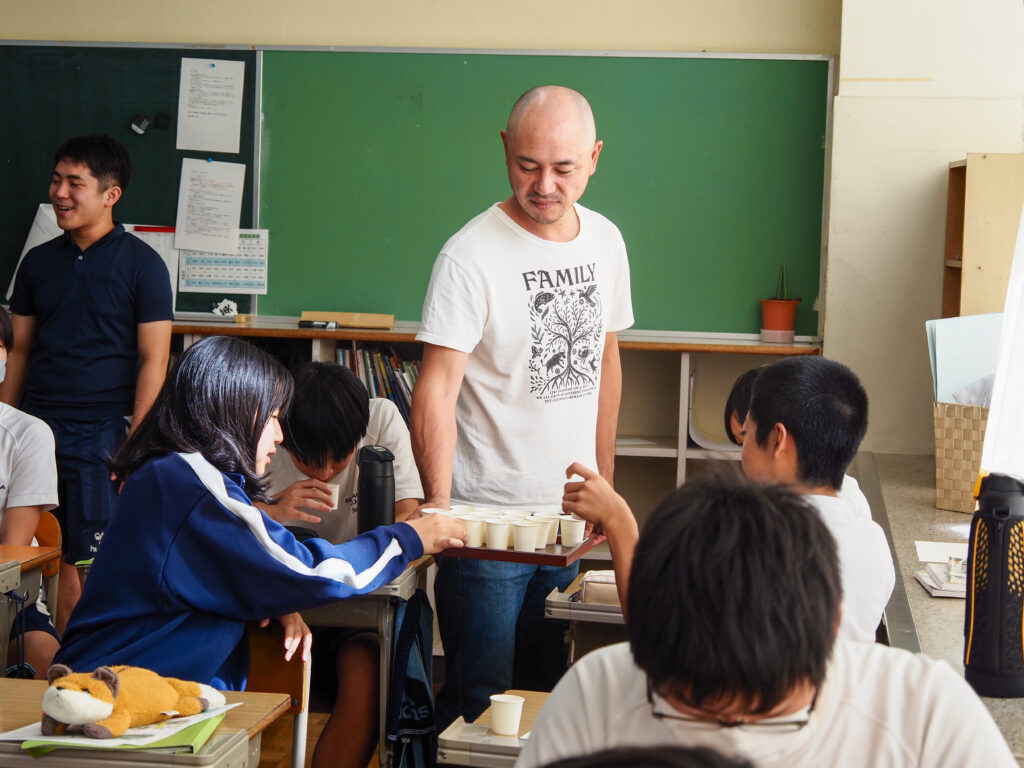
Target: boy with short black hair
91, 313
330, 419
734, 603
806, 420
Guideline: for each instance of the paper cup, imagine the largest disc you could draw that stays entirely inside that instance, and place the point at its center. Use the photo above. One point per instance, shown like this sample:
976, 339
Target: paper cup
550, 526
572, 530
463, 509
515, 514
506, 711
335, 489
434, 511
525, 534
497, 534
474, 531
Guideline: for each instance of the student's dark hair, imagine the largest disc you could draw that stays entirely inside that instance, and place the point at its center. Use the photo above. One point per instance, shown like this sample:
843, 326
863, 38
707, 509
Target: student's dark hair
823, 406
6, 331
734, 594
652, 757
329, 415
216, 401
105, 157
738, 401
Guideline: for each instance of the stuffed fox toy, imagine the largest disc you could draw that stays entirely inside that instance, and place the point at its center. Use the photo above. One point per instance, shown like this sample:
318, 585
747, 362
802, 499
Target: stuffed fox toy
110, 700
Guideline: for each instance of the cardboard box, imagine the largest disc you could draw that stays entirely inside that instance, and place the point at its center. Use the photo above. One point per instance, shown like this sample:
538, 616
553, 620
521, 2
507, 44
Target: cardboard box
959, 437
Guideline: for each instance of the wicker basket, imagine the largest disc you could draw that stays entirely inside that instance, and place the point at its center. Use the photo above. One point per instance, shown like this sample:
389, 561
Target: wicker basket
959, 437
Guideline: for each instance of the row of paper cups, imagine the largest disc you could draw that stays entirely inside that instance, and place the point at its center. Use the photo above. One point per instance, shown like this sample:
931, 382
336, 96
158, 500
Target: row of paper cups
523, 530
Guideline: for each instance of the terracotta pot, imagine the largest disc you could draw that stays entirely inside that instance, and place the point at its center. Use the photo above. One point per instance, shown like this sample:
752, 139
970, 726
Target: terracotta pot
777, 319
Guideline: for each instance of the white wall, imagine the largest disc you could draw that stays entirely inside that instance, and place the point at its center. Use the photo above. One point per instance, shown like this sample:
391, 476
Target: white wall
921, 84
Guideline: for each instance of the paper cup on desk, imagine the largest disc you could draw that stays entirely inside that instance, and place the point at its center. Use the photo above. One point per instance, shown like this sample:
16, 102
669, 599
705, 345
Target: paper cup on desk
524, 535
572, 530
506, 712
335, 489
497, 534
474, 531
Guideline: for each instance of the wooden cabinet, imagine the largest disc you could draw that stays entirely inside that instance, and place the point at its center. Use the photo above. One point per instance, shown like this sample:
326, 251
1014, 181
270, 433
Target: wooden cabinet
983, 210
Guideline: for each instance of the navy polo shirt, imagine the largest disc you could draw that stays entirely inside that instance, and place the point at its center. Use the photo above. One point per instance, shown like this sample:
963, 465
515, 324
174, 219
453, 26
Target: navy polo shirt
87, 304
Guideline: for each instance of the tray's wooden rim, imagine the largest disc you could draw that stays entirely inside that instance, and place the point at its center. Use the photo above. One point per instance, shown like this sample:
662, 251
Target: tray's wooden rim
538, 557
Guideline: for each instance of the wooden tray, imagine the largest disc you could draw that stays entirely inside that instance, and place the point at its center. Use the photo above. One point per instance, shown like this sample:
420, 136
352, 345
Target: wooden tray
552, 554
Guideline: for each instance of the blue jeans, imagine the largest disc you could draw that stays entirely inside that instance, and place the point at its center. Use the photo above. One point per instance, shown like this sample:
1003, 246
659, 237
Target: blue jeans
495, 636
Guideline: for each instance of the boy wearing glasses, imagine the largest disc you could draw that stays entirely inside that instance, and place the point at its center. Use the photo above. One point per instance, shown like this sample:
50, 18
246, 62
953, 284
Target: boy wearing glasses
734, 604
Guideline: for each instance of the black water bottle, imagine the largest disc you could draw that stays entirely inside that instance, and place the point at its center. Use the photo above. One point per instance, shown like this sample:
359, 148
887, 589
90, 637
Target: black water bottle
376, 487
993, 636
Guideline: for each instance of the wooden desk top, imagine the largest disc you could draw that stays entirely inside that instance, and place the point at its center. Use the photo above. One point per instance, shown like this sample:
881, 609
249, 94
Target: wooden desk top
22, 700
29, 557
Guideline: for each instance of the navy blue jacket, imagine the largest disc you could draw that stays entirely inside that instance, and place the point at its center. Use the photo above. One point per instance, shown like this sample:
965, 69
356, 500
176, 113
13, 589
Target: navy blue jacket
187, 561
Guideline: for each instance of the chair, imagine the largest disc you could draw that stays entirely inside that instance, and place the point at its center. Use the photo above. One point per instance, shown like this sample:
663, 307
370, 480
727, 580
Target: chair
270, 673
48, 535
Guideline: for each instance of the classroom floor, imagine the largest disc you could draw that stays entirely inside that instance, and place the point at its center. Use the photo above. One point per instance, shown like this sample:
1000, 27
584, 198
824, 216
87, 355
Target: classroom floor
907, 483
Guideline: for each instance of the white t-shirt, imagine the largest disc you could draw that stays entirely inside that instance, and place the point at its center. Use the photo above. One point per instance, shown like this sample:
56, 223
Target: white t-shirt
878, 707
385, 427
865, 563
28, 464
532, 314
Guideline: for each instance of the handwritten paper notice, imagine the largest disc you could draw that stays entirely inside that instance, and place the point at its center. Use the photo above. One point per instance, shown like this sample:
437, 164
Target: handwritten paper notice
209, 205
210, 104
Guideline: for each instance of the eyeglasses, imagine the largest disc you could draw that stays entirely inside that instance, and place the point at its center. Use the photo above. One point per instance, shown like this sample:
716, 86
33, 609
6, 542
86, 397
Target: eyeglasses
780, 724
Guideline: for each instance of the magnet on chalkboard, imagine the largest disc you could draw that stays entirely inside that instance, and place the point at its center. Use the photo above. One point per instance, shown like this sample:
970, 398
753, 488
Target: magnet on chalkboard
140, 124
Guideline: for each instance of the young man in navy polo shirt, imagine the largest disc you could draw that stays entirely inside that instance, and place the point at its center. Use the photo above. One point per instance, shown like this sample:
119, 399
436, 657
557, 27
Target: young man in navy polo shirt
92, 313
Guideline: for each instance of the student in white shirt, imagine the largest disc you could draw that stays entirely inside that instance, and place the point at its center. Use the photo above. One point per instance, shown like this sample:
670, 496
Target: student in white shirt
733, 609
806, 420
330, 419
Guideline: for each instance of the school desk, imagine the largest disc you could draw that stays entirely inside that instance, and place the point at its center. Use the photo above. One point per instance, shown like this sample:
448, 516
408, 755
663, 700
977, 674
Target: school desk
235, 743
473, 744
375, 611
21, 568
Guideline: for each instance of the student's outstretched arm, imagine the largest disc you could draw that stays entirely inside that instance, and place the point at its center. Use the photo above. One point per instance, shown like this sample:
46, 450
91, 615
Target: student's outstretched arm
596, 501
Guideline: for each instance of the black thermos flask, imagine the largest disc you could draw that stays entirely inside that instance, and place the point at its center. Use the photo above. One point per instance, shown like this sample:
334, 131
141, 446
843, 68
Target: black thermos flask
376, 487
993, 636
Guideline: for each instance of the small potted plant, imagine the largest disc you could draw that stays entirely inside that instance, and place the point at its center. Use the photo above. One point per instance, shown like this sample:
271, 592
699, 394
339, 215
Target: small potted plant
778, 313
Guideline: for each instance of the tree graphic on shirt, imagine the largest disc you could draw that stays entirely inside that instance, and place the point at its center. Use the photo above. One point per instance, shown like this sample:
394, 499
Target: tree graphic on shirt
566, 331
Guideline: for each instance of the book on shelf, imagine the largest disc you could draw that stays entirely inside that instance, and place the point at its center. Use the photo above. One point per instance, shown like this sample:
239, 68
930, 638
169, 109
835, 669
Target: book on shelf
383, 373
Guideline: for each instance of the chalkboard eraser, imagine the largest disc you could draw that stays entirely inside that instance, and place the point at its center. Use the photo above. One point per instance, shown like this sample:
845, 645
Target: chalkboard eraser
350, 319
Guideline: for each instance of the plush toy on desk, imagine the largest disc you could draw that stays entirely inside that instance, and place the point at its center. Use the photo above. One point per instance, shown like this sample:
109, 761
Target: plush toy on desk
110, 700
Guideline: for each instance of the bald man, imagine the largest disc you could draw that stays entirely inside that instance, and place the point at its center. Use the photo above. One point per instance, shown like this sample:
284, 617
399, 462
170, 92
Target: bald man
520, 378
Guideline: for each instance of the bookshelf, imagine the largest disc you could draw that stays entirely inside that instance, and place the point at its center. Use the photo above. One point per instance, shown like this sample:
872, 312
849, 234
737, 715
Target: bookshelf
653, 447
985, 193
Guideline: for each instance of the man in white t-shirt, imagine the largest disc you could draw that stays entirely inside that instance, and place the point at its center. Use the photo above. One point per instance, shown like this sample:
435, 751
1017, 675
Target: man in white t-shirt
733, 608
520, 377
28, 487
806, 419
331, 418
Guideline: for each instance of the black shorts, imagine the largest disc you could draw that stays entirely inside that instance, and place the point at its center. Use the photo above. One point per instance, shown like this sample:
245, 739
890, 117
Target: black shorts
34, 621
327, 643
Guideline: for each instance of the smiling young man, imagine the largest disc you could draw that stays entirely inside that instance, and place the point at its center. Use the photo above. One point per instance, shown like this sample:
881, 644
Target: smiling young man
520, 378
91, 311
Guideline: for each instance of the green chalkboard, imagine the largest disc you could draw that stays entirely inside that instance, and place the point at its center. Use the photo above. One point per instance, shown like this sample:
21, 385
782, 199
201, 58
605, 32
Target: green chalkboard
52, 92
713, 169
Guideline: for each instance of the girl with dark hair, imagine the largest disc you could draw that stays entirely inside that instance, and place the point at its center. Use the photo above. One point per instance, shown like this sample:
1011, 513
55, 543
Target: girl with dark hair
188, 560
